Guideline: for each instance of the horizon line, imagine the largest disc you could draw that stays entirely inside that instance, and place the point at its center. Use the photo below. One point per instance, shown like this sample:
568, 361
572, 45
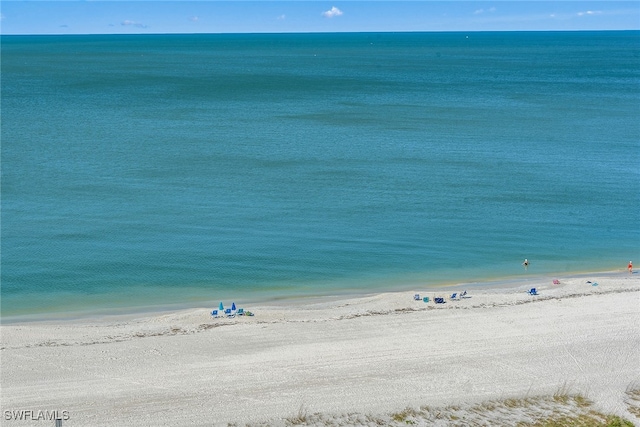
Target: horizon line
321, 32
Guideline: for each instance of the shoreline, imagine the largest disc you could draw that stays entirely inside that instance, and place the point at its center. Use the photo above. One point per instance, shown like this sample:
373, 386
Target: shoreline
498, 283
371, 354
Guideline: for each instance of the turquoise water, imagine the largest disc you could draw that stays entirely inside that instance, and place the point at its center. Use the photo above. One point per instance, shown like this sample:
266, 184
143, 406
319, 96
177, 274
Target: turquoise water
181, 169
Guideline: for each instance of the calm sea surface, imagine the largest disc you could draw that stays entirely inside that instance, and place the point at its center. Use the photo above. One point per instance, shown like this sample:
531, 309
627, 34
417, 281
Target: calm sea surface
184, 169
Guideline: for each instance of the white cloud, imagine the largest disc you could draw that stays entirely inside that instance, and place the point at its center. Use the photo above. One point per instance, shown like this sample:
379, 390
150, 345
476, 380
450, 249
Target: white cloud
481, 11
334, 11
128, 22
281, 17
194, 19
590, 12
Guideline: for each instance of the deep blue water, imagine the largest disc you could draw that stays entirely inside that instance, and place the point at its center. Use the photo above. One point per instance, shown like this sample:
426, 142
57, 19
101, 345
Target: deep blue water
151, 170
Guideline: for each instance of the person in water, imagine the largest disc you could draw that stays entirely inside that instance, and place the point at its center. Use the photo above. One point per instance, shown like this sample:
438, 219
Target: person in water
526, 263
630, 267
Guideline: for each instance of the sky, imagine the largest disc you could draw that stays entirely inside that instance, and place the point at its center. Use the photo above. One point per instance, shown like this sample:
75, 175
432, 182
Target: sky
206, 16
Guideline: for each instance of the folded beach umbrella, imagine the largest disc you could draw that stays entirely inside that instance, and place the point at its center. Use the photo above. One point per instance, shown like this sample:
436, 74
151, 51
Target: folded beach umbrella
233, 306
221, 307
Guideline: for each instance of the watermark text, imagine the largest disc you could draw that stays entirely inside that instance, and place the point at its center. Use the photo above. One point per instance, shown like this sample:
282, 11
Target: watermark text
34, 415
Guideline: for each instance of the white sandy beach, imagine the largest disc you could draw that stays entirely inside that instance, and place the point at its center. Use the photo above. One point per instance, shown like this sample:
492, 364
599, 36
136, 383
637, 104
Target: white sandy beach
368, 355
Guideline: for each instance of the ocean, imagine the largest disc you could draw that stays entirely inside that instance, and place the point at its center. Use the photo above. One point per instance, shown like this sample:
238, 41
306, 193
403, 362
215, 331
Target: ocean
147, 171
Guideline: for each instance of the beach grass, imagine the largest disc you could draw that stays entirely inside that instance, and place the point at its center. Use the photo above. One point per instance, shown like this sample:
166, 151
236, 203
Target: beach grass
562, 409
633, 400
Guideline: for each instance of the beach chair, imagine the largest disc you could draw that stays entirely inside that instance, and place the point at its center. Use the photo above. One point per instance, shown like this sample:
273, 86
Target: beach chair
556, 281
463, 294
416, 297
532, 291
425, 299
454, 296
229, 313
214, 313
240, 312
439, 300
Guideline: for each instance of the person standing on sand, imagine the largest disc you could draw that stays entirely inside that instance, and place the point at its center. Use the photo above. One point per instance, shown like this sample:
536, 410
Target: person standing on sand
526, 263
630, 267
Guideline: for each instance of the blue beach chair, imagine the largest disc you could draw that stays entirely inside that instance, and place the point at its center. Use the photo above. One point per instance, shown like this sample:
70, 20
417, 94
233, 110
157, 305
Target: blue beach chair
532, 291
214, 313
240, 312
439, 300
416, 297
454, 296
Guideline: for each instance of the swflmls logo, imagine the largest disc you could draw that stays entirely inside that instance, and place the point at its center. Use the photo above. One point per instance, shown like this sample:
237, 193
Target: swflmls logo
35, 415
